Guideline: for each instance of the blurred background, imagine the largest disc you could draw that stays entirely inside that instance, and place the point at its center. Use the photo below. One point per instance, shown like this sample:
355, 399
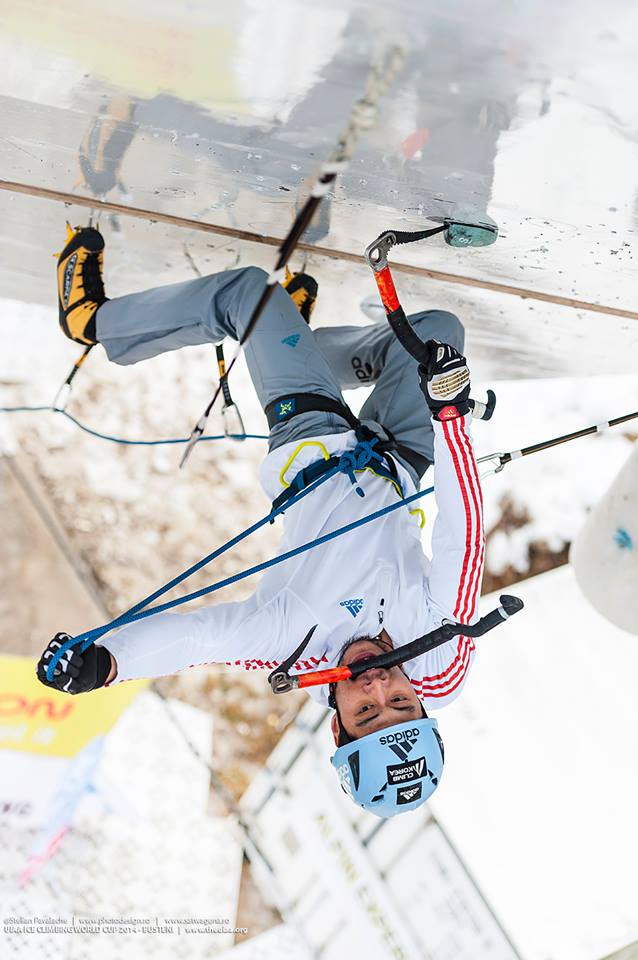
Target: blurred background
192, 133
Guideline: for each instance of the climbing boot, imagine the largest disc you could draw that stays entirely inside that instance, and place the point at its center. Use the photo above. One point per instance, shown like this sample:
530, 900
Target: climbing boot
80, 285
303, 291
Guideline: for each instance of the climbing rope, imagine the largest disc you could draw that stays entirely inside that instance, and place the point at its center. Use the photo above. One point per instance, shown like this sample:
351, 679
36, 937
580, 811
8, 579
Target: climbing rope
362, 454
351, 461
129, 443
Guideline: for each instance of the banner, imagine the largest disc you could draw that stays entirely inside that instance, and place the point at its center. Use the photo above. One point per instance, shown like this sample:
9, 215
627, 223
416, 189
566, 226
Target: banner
37, 719
41, 731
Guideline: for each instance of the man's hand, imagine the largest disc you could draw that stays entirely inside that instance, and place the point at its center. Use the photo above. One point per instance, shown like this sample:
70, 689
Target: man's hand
445, 382
75, 672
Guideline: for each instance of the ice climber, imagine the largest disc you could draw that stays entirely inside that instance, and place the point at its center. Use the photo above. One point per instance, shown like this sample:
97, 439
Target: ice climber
371, 590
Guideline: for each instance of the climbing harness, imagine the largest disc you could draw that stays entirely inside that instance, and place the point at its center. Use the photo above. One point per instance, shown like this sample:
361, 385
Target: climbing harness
292, 405
350, 462
362, 117
281, 681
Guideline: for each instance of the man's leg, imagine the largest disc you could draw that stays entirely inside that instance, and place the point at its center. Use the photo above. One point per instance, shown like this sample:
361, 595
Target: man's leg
356, 354
372, 354
281, 353
396, 401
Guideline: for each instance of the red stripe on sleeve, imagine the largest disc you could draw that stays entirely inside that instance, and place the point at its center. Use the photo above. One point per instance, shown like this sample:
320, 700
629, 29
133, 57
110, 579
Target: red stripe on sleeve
472, 584
424, 688
448, 434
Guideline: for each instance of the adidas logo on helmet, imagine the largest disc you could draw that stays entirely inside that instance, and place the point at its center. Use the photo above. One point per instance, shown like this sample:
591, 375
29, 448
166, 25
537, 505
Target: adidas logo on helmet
372, 778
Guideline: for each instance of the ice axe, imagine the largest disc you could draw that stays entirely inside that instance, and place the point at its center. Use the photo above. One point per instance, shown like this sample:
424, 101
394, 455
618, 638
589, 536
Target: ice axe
456, 234
281, 680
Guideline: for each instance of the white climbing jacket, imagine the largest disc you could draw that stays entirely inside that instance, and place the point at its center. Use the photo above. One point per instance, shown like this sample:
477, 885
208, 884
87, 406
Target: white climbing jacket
374, 576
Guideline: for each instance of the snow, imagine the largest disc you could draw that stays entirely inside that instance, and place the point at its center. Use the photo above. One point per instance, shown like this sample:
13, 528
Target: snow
141, 845
555, 488
279, 943
539, 791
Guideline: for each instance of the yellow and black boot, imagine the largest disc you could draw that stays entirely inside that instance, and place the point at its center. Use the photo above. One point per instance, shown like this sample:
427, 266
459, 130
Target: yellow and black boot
303, 291
80, 285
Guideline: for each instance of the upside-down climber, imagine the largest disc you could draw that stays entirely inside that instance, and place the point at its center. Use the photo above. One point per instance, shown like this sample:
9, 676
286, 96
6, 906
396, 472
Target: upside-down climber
371, 591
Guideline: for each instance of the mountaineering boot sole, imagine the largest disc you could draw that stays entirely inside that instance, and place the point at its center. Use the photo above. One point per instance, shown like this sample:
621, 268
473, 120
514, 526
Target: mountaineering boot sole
303, 290
80, 285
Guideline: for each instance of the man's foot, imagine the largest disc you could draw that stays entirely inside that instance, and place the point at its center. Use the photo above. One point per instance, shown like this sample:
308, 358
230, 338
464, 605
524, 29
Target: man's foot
80, 285
303, 291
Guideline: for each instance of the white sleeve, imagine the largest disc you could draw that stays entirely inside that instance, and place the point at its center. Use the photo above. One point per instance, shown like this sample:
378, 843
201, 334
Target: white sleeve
458, 538
456, 569
246, 633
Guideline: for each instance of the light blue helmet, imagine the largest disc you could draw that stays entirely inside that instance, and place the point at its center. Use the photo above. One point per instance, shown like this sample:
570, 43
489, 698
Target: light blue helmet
393, 770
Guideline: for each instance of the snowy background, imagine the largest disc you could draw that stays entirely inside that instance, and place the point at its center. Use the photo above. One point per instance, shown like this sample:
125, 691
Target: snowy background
136, 520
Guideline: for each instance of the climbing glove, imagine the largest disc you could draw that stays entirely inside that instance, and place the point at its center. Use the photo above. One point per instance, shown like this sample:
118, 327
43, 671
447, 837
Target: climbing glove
445, 381
75, 672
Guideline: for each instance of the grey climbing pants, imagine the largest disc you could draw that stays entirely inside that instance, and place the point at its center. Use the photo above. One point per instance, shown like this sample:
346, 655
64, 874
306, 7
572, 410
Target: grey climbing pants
283, 354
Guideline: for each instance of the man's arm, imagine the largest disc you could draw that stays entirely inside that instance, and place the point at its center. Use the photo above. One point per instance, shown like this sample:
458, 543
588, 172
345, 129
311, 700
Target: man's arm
167, 643
458, 545
248, 632
458, 541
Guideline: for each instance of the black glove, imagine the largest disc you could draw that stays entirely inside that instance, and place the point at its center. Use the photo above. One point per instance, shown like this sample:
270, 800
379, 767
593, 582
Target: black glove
75, 672
445, 382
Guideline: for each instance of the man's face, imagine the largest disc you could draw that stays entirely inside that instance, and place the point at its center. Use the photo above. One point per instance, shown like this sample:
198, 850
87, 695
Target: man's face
377, 698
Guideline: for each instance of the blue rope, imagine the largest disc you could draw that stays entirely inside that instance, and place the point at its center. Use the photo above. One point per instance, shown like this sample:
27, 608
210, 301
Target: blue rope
243, 574
122, 440
90, 636
363, 453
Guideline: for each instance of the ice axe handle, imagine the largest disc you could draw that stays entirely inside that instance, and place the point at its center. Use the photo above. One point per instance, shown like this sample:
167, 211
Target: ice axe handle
483, 411
397, 318
407, 337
